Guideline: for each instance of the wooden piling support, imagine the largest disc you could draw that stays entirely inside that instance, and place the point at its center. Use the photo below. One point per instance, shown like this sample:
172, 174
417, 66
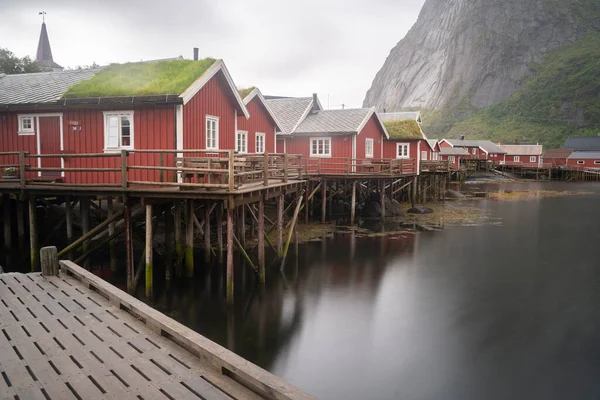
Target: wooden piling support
69, 222
413, 197
177, 234
323, 201
7, 220
20, 224
229, 289
149, 248
33, 240
280, 226
128, 245
382, 195
189, 240
207, 244
353, 203
84, 205
291, 231
111, 232
170, 244
220, 232
306, 205
261, 240
242, 222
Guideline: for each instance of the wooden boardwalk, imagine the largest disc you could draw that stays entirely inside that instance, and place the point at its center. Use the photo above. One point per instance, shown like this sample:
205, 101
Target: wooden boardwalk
75, 336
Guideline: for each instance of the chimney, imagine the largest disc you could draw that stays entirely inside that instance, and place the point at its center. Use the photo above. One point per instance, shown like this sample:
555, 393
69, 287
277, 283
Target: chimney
315, 97
462, 137
195, 54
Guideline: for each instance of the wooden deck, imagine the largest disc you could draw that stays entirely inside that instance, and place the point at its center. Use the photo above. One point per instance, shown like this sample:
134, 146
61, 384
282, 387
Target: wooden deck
75, 336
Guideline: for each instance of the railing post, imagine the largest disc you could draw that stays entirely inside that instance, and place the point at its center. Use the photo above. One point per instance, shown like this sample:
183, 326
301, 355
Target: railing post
231, 171
285, 168
124, 169
22, 168
391, 167
160, 164
266, 169
401, 167
300, 167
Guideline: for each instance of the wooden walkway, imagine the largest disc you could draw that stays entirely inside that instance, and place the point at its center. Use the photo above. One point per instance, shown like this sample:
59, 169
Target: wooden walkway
75, 336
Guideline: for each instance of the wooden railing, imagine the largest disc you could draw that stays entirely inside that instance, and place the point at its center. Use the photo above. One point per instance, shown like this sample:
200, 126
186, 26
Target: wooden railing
200, 169
354, 166
435, 166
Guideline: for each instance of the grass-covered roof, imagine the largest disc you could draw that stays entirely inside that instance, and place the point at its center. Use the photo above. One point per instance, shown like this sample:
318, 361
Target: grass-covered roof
245, 92
141, 79
407, 129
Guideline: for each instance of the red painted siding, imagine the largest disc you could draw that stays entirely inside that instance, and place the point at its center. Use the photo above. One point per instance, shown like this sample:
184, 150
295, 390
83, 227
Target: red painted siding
555, 161
259, 121
587, 163
341, 153
371, 130
213, 99
389, 148
455, 164
10, 140
520, 160
49, 132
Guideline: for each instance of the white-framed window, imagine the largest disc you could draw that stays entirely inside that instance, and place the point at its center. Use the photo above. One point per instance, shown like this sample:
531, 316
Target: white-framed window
118, 130
517, 158
320, 147
474, 150
26, 125
580, 162
451, 159
241, 142
260, 142
212, 132
596, 162
402, 150
532, 159
424, 155
369, 148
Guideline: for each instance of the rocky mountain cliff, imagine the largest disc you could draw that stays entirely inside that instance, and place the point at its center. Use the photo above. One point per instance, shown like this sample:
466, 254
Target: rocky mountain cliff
471, 54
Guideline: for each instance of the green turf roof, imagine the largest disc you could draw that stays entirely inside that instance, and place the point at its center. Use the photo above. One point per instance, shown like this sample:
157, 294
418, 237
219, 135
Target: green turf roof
245, 92
141, 79
407, 129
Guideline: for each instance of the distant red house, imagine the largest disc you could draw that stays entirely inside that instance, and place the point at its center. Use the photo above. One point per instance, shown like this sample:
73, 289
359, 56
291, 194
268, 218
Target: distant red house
557, 158
478, 149
44, 113
257, 134
434, 149
524, 155
584, 160
454, 155
407, 140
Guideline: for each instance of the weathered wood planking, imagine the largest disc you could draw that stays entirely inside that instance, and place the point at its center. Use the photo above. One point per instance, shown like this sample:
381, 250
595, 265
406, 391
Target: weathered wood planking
62, 338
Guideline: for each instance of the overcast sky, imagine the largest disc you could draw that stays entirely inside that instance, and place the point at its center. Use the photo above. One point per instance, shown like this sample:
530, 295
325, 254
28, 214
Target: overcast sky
295, 48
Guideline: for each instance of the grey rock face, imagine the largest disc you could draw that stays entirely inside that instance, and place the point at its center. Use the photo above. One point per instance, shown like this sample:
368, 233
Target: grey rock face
478, 50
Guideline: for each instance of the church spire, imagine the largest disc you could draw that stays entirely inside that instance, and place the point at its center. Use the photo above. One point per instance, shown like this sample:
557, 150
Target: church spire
44, 53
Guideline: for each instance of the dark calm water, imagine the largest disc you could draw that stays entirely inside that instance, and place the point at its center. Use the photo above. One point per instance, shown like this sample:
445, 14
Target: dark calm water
509, 309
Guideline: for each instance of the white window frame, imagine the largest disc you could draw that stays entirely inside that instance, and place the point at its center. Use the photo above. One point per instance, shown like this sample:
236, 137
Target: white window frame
119, 147
424, 155
474, 151
403, 145
451, 159
516, 159
243, 134
580, 162
26, 131
596, 162
369, 154
264, 138
317, 154
532, 159
214, 119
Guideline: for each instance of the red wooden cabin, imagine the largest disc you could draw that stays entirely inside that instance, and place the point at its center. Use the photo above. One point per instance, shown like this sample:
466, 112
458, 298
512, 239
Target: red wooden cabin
478, 149
523, 155
434, 149
407, 141
257, 133
454, 155
583, 160
557, 158
43, 114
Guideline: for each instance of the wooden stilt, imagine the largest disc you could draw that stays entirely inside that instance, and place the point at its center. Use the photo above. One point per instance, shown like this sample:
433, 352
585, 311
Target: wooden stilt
382, 195
69, 222
33, 242
242, 222
7, 220
149, 248
84, 205
111, 232
291, 231
229, 290
323, 201
177, 234
414, 192
261, 240
207, 232
170, 244
220, 232
189, 240
306, 205
353, 203
20, 224
280, 226
330, 200
128, 245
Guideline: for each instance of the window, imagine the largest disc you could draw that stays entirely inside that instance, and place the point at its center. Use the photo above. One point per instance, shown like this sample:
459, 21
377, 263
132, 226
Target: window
580, 162
26, 125
260, 142
517, 158
320, 147
424, 155
532, 159
118, 130
596, 162
474, 150
451, 159
402, 150
369, 148
212, 133
241, 142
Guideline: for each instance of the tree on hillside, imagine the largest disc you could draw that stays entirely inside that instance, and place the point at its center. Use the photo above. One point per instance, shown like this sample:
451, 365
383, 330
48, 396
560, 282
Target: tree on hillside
11, 64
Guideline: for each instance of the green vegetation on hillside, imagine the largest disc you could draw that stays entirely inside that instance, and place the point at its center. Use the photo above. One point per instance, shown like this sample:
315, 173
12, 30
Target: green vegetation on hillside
406, 129
561, 100
143, 78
